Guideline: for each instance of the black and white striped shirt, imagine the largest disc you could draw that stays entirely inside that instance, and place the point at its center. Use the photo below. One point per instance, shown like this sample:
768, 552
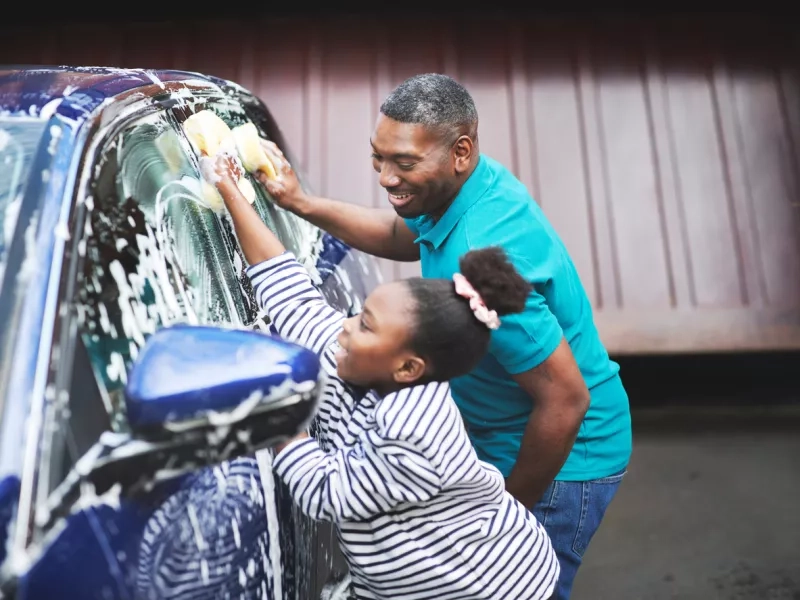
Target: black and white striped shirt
418, 515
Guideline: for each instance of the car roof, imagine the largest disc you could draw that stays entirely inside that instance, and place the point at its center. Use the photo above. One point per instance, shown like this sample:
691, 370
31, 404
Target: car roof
38, 91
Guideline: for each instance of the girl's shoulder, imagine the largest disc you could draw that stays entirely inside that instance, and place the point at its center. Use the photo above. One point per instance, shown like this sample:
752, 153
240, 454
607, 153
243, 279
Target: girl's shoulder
413, 407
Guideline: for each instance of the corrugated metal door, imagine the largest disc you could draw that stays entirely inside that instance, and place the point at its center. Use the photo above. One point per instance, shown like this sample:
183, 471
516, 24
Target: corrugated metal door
666, 154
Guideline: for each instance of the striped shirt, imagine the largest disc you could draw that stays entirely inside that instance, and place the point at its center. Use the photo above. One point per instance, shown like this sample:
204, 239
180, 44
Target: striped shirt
418, 515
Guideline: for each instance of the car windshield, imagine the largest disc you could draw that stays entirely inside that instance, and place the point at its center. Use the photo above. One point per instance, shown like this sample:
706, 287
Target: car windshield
19, 138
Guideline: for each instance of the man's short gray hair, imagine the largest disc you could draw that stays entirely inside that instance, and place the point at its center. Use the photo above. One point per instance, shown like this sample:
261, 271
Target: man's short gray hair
433, 100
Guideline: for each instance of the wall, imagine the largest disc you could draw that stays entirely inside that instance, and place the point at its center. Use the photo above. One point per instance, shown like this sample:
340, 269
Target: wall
666, 153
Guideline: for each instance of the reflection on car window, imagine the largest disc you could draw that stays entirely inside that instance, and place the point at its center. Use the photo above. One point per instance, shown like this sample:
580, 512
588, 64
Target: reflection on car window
19, 138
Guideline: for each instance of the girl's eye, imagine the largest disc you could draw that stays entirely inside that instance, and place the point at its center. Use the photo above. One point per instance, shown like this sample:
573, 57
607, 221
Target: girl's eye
361, 325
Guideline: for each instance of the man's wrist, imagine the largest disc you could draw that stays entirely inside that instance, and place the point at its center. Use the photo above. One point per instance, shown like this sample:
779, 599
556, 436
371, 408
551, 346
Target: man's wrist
527, 488
302, 206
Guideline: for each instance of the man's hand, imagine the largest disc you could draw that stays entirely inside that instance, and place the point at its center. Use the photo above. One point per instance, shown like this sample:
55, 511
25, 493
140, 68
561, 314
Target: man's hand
286, 190
560, 401
379, 232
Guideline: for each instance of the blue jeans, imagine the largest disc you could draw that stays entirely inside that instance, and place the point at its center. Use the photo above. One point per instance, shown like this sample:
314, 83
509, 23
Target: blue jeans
571, 512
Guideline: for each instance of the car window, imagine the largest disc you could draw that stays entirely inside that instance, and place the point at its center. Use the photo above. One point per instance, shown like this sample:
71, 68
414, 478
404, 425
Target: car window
19, 139
299, 236
151, 253
154, 253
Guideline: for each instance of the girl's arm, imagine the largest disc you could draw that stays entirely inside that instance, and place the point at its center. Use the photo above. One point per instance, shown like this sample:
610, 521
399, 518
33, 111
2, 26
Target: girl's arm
391, 464
355, 483
256, 239
282, 286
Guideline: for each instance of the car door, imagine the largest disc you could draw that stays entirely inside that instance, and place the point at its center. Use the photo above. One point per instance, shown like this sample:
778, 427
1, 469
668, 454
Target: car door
146, 253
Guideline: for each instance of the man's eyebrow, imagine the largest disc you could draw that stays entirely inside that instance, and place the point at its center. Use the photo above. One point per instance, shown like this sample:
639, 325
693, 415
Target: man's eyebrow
395, 156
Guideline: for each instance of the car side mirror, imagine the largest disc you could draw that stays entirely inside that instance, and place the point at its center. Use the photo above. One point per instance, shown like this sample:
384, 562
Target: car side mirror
196, 396
209, 380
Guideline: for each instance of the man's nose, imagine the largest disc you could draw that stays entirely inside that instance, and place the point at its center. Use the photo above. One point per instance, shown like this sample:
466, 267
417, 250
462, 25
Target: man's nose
388, 178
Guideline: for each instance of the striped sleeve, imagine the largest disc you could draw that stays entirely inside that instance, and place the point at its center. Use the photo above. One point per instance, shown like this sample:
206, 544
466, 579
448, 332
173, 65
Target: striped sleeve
301, 315
388, 466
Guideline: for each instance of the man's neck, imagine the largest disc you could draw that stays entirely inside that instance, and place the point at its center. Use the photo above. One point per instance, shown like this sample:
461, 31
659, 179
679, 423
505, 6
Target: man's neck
438, 214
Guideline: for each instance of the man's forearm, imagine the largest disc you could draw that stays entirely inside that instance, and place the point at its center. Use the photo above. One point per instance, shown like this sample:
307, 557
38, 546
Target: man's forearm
376, 231
546, 444
560, 400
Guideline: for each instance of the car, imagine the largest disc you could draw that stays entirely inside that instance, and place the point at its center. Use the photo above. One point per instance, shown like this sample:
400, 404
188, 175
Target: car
132, 438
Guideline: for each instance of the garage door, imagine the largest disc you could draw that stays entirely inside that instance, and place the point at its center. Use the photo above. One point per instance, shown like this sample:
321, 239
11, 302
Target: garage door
667, 154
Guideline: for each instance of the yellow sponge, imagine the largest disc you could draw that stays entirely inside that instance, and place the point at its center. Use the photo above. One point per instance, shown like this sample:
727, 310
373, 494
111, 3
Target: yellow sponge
250, 151
207, 132
210, 135
214, 201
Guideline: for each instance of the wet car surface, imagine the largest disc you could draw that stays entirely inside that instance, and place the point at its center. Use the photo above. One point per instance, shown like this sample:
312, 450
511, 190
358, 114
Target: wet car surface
105, 242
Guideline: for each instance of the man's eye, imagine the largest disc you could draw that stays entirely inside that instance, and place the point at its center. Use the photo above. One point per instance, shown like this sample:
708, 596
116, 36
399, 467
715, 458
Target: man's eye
406, 166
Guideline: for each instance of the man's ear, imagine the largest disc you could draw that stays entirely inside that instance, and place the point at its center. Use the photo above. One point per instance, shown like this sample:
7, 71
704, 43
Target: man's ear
463, 149
412, 369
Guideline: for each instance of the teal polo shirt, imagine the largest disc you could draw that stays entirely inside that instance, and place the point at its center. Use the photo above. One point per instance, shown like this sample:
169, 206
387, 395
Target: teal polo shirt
494, 208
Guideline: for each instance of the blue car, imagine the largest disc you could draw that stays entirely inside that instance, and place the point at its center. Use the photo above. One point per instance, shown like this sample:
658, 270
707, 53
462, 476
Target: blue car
140, 385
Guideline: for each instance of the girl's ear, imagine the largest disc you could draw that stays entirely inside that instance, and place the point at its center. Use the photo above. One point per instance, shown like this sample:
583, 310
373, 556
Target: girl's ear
412, 369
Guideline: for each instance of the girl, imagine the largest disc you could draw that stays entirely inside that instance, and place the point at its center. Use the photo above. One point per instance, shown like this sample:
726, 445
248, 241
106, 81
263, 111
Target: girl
417, 514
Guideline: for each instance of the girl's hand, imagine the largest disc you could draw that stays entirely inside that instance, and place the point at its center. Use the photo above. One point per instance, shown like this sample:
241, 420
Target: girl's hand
221, 169
228, 168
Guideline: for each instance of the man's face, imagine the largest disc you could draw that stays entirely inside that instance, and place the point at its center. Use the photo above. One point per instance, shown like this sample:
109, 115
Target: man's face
416, 166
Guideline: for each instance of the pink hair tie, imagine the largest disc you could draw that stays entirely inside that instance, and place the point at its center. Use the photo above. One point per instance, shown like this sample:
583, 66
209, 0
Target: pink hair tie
482, 313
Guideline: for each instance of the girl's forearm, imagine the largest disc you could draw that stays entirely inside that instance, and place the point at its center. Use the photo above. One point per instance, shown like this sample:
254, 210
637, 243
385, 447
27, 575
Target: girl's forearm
256, 239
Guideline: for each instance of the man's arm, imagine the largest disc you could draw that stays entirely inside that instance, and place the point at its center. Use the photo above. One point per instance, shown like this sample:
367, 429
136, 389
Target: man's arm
376, 231
560, 401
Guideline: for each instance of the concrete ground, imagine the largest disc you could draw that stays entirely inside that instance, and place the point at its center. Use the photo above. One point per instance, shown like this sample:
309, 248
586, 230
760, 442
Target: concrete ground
710, 508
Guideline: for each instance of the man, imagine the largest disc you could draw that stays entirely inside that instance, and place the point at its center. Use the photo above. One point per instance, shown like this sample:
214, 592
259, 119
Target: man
546, 406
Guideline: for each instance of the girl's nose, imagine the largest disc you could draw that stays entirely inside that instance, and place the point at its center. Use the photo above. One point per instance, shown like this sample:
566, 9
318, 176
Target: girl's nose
347, 325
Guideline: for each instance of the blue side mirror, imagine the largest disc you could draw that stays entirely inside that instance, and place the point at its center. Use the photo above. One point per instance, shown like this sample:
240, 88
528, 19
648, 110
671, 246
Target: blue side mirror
199, 377
196, 396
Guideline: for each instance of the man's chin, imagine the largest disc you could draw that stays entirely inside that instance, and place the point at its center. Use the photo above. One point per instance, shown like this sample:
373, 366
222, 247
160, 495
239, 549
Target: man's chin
407, 212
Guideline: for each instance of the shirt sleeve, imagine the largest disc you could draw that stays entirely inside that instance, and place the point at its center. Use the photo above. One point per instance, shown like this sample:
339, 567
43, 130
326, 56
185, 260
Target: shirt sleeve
390, 464
298, 311
526, 339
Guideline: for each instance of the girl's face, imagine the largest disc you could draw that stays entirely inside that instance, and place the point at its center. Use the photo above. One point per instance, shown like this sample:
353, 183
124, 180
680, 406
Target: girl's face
374, 344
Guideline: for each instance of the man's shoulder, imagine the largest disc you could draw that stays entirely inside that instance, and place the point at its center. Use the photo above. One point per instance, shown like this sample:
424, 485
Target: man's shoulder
505, 213
505, 191
503, 177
